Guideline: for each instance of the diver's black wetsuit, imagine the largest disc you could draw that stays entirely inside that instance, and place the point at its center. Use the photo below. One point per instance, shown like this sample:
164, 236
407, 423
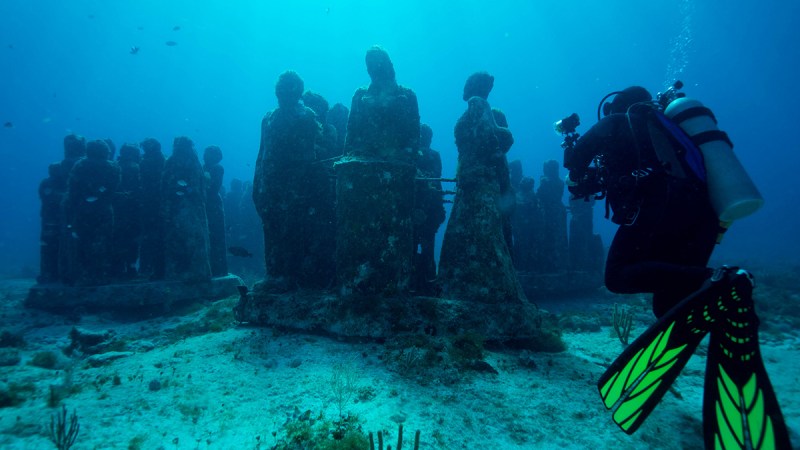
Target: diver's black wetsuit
667, 225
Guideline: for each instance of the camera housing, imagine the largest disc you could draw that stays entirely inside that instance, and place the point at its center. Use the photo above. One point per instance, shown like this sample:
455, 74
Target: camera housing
592, 184
568, 124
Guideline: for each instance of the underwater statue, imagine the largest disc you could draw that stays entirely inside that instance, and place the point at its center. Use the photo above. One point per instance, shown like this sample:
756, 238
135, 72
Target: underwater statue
74, 149
50, 214
527, 225
89, 215
475, 263
583, 251
326, 145
338, 116
151, 250
183, 197
375, 185
127, 216
429, 213
217, 250
291, 191
384, 117
551, 193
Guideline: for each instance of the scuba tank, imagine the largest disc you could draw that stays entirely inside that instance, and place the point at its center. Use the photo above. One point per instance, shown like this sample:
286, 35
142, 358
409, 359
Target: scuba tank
733, 194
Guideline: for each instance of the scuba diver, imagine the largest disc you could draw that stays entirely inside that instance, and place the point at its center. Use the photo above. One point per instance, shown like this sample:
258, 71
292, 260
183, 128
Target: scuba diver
650, 161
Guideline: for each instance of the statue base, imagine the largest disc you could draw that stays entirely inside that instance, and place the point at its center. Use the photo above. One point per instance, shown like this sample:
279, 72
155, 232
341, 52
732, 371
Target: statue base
375, 317
154, 297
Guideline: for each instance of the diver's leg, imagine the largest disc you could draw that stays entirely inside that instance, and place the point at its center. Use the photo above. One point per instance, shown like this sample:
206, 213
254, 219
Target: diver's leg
740, 409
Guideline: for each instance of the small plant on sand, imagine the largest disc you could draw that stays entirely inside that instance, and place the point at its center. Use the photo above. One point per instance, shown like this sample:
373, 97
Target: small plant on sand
344, 383
63, 434
622, 318
305, 431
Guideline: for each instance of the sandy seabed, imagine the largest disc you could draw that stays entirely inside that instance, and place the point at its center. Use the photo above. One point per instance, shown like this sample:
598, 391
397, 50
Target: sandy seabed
182, 384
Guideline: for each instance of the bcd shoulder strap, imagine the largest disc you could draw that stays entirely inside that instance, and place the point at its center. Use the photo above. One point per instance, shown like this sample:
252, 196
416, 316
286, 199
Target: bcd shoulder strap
678, 154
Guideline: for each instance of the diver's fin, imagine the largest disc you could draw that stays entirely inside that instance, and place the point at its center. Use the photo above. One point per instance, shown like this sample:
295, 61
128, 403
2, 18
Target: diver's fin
740, 410
641, 375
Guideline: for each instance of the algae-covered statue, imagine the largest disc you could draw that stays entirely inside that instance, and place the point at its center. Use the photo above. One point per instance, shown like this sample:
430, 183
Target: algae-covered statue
375, 185
527, 225
428, 213
89, 214
384, 117
475, 261
127, 220
291, 192
551, 193
183, 196
214, 172
151, 251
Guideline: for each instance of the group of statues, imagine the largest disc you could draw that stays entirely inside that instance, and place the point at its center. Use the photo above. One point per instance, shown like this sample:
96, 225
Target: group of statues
326, 188
346, 198
542, 242
141, 217
364, 216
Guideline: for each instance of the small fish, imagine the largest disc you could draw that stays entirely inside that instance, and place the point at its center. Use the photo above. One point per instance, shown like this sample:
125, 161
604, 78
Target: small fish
180, 193
171, 43
140, 28
91, 199
8, 125
102, 189
47, 120
182, 183
240, 252
176, 28
134, 50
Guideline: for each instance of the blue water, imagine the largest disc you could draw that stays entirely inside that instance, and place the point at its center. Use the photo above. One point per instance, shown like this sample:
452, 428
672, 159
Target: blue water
67, 67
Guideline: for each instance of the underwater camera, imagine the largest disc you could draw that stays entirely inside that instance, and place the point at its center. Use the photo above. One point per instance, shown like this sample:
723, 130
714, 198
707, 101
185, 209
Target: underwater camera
670, 95
568, 124
592, 184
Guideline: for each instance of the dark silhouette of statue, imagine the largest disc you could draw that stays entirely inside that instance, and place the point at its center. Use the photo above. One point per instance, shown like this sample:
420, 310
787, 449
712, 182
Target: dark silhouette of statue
475, 262
507, 201
233, 215
551, 193
326, 146
291, 193
429, 213
527, 225
217, 250
183, 196
50, 214
151, 252
251, 233
74, 149
384, 117
328, 152
112, 148
338, 116
127, 217
89, 214
586, 251
515, 173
